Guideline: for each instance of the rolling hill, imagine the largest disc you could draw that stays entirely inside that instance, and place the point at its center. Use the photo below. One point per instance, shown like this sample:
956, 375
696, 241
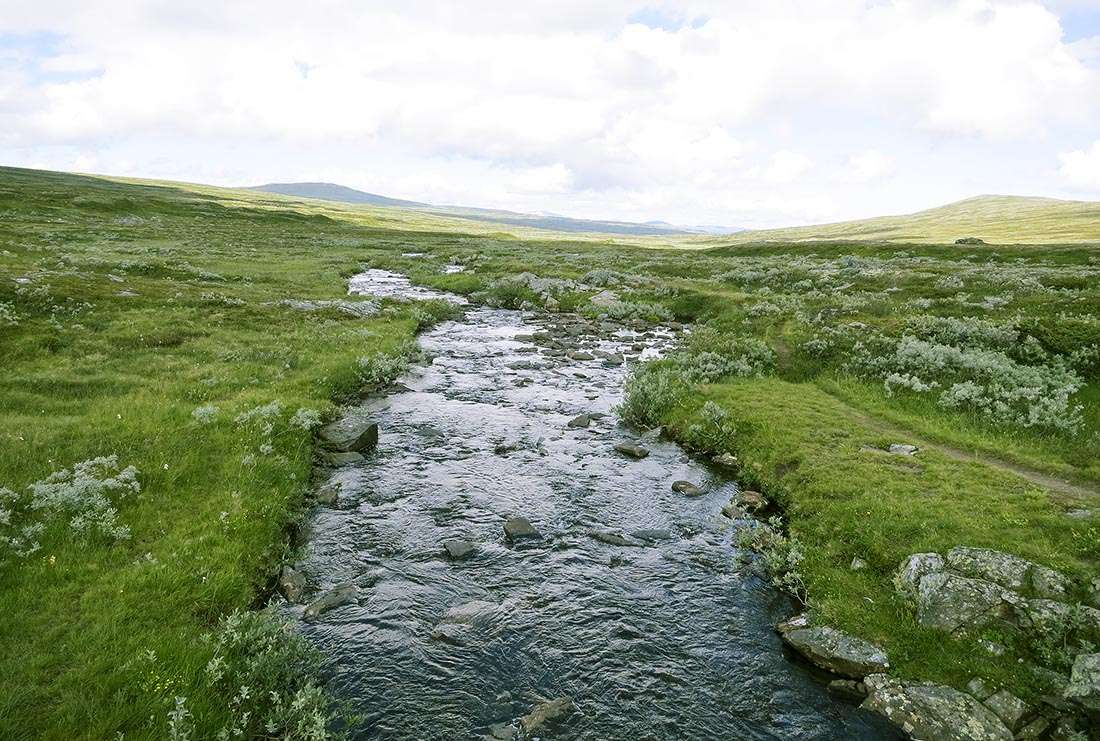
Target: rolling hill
992, 218
553, 222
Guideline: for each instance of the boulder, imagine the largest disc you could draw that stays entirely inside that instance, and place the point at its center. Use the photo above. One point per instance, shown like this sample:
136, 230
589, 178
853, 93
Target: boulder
798, 622
546, 712
328, 494
344, 594
948, 602
686, 488
726, 460
1010, 709
1005, 569
978, 689
1048, 583
848, 689
632, 450
902, 449
519, 528
579, 355
292, 583
858, 564
1034, 730
604, 299
915, 568
613, 538
345, 437
450, 633
336, 458
1050, 616
752, 500
1084, 682
838, 652
931, 712
1094, 592
458, 549
580, 421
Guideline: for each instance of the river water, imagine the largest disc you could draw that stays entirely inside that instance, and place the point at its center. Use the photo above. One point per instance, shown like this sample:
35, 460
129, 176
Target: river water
668, 638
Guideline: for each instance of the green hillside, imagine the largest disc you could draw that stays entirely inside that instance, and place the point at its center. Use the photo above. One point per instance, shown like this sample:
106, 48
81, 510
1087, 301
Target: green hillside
994, 219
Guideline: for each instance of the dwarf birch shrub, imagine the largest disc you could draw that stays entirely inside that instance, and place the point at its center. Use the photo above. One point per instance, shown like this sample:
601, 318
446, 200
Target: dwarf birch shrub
266, 669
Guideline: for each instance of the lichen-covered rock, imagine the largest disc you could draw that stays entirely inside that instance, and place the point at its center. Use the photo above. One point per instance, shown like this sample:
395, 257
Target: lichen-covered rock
930, 712
1048, 583
1005, 569
1084, 682
350, 436
1009, 708
838, 652
1047, 615
915, 568
948, 602
802, 620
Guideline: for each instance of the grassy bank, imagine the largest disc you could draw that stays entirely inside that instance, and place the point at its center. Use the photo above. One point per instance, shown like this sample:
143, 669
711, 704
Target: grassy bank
148, 322
142, 324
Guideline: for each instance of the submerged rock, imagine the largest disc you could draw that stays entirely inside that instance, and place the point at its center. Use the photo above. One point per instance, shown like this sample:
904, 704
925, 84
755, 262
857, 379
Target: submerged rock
651, 535
518, 528
344, 594
838, 652
580, 421
546, 712
687, 488
469, 613
632, 450
613, 538
292, 583
458, 549
931, 712
336, 459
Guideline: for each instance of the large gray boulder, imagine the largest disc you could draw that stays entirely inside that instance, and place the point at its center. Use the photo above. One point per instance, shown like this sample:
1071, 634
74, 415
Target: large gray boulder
929, 712
915, 568
1084, 682
949, 602
1011, 572
838, 652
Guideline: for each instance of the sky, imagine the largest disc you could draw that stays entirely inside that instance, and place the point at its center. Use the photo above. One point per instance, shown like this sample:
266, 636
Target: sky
738, 113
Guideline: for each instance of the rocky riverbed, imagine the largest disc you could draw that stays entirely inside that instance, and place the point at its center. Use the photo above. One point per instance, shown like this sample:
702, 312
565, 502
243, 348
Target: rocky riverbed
509, 560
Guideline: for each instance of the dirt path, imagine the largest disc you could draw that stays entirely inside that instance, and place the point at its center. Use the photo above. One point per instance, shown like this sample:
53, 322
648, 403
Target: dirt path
1039, 478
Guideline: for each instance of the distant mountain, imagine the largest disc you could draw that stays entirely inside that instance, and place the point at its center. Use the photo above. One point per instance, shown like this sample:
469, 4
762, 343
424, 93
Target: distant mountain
333, 192
343, 194
991, 218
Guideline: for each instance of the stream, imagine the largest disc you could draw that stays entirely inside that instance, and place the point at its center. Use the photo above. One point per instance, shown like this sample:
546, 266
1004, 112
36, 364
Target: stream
668, 636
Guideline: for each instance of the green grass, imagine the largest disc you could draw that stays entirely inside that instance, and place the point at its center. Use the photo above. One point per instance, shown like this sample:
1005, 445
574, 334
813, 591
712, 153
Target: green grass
89, 372
806, 449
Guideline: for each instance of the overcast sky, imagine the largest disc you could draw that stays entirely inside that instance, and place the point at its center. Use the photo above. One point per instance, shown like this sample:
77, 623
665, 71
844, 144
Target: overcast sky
738, 113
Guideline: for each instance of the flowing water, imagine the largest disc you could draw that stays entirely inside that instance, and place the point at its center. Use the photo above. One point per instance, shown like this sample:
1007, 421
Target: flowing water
667, 638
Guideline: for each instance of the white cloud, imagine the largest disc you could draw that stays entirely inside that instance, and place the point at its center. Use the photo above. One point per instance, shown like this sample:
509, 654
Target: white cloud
566, 106
1081, 168
787, 166
869, 165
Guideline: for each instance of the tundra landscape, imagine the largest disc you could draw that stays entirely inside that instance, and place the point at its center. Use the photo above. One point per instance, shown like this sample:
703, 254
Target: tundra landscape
642, 370
173, 353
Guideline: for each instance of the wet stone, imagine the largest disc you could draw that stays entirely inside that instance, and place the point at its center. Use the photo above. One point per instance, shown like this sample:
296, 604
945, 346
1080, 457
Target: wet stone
519, 528
328, 494
344, 594
632, 450
752, 500
547, 712
838, 652
848, 689
292, 583
458, 549
580, 421
613, 538
687, 488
